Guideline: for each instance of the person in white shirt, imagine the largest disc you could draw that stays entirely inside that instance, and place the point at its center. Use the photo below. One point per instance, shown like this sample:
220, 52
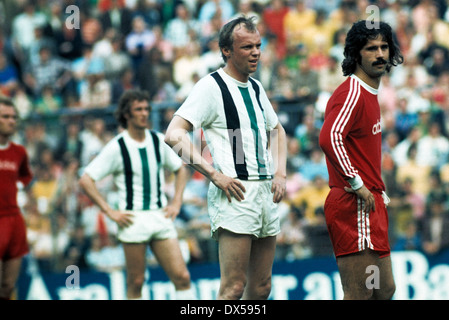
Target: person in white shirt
137, 158
248, 181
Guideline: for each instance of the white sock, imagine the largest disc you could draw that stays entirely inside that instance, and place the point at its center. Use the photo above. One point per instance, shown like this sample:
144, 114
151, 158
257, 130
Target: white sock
185, 294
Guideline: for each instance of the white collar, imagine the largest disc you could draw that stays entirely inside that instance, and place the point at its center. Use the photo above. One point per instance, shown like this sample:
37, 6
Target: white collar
365, 85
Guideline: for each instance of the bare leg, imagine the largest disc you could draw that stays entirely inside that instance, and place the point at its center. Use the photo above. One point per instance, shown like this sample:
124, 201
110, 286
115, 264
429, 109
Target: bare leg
169, 256
9, 273
135, 268
354, 273
234, 256
260, 269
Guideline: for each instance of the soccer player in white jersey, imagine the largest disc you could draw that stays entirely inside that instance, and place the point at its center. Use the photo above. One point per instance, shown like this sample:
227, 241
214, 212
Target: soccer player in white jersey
239, 125
137, 158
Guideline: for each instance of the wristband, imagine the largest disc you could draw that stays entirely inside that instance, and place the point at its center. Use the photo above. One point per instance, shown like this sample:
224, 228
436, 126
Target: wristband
356, 183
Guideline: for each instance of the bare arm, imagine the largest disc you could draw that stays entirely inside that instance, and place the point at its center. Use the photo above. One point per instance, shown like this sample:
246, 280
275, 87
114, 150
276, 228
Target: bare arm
173, 208
90, 188
279, 152
177, 138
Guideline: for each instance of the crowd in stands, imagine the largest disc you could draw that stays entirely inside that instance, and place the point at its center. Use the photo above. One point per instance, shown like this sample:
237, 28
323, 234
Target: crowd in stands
80, 56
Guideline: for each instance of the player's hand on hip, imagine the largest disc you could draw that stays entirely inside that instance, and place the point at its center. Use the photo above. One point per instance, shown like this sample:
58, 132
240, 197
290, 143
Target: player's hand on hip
171, 211
366, 195
123, 219
231, 187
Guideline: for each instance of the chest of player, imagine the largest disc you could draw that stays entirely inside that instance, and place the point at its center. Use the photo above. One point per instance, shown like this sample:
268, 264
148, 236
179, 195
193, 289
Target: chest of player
367, 124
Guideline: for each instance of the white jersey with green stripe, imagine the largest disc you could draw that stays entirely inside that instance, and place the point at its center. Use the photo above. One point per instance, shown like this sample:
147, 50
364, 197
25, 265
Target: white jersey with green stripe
235, 118
137, 169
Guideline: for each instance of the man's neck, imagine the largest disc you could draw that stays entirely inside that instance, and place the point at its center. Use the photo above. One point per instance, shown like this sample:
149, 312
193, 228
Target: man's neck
362, 75
137, 134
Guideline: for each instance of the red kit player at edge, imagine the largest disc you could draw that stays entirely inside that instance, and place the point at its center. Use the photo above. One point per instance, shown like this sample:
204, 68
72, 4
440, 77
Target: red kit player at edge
14, 168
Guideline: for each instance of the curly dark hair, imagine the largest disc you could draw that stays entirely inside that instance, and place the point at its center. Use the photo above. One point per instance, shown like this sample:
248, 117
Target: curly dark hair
125, 102
358, 36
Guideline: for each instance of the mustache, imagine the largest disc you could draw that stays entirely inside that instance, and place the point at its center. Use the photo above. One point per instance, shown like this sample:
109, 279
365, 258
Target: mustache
380, 61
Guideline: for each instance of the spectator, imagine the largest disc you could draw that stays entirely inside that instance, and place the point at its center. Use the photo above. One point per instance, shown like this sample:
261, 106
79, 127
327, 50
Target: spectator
93, 138
292, 242
311, 197
314, 166
188, 63
283, 83
118, 61
9, 79
405, 120
48, 102
296, 22
40, 40
117, 16
183, 29
436, 227
410, 239
306, 82
23, 26
22, 101
273, 16
331, 76
163, 45
96, 91
69, 42
44, 189
125, 81
433, 148
76, 250
412, 169
49, 71
102, 48
69, 144
139, 41
210, 7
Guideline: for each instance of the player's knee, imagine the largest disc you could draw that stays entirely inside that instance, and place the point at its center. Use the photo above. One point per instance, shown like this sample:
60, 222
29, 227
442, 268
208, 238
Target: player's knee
387, 292
135, 281
262, 291
181, 280
233, 291
357, 291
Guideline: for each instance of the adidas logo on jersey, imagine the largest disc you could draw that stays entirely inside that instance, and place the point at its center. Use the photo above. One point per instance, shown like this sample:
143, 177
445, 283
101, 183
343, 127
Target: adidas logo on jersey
377, 128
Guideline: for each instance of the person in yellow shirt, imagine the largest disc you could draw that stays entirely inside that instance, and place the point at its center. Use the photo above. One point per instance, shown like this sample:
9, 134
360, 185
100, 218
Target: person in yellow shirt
296, 21
311, 197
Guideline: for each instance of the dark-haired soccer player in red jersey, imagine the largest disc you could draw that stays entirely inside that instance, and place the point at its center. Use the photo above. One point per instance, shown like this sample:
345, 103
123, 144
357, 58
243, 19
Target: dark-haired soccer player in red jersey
355, 209
14, 168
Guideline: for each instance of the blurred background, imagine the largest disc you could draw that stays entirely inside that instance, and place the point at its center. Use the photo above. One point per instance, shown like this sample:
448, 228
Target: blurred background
65, 63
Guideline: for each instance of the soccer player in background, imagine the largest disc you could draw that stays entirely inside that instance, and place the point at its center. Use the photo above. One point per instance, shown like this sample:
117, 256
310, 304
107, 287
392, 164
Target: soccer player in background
14, 168
246, 182
356, 207
137, 158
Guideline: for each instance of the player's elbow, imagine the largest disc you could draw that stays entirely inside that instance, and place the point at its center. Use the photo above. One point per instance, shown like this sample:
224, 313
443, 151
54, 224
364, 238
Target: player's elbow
84, 181
176, 130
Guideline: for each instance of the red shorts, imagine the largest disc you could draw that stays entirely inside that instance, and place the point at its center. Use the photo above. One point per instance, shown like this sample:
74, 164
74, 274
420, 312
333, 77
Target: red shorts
351, 229
13, 239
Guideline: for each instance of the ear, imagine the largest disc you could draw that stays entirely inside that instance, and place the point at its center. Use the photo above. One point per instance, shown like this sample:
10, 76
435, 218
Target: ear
226, 52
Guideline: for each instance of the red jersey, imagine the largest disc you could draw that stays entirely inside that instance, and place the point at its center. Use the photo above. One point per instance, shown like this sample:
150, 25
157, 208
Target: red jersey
351, 136
14, 167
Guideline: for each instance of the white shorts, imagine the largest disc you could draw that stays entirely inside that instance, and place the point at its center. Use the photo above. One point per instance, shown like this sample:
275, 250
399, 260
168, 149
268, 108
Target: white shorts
147, 226
256, 215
